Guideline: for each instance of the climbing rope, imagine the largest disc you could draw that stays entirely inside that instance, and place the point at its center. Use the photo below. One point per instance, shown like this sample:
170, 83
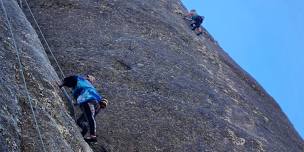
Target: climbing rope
44, 39
51, 52
20, 4
22, 75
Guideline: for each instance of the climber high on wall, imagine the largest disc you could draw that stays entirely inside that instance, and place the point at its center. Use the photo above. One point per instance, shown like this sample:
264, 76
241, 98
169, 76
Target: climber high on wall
196, 21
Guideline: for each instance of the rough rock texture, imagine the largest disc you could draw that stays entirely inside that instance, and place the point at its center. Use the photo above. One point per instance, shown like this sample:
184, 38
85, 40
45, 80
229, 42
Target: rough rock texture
17, 128
169, 90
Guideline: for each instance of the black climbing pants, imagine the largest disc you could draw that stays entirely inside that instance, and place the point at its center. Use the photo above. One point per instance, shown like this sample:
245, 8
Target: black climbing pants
195, 25
196, 22
87, 117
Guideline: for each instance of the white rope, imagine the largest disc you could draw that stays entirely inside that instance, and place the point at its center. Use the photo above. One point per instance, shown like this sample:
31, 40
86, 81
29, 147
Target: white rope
44, 39
22, 74
50, 50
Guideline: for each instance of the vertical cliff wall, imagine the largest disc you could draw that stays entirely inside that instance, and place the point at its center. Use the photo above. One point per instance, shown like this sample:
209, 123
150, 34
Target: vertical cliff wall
169, 90
18, 131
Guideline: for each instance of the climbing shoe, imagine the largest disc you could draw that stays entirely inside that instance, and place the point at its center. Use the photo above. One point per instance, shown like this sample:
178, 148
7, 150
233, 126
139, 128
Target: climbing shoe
90, 139
84, 131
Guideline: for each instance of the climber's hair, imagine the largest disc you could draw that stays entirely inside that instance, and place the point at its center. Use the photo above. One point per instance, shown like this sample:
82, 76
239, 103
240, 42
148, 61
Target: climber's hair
91, 78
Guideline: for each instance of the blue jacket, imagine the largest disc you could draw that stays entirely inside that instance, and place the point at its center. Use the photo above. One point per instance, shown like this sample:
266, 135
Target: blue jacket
84, 91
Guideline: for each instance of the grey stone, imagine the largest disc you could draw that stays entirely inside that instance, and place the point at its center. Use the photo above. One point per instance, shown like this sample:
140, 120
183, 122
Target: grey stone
18, 131
189, 95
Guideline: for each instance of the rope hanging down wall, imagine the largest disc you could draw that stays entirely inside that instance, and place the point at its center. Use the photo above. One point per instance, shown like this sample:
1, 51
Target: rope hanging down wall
22, 74
70, 102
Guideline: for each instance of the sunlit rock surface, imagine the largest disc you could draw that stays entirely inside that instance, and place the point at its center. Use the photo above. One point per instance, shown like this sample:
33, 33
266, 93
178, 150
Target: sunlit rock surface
169, 90
18, 131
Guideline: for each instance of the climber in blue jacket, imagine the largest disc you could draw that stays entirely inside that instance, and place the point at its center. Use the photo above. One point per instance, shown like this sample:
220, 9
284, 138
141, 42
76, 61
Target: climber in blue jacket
89, 100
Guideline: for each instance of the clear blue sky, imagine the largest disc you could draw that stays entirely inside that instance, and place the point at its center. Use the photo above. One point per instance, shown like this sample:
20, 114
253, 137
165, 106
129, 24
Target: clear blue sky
266, 38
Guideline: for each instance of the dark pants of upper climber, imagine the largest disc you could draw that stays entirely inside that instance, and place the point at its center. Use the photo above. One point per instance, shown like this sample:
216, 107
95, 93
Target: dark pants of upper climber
196, 22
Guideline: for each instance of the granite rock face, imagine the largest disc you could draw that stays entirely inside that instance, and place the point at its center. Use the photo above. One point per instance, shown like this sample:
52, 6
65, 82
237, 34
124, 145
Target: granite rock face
18, 131
169, 90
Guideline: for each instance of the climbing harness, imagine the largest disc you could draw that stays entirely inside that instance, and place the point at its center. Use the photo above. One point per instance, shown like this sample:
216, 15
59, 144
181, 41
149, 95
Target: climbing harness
22, 75
70, 101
